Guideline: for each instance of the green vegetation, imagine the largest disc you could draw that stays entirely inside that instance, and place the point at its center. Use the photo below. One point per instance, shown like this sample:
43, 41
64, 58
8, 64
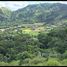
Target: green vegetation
20, 46
36, 13
28, 40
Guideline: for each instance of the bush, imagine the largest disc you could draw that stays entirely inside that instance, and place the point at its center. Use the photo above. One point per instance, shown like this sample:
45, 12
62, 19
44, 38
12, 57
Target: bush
4, 64
53, 62
64, 62
14, 63
65, 54
36, 61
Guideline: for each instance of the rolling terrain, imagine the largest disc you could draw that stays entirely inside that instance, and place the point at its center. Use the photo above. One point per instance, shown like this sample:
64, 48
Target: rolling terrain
35, 35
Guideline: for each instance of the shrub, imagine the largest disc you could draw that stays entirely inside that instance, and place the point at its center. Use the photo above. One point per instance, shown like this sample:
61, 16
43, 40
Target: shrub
14, 63
53, 62
64, 62
4, 64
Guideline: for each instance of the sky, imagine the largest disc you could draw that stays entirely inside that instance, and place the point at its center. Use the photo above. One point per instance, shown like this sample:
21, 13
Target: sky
14, 5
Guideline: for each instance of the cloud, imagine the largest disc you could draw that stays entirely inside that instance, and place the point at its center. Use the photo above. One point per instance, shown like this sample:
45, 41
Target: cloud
14, 5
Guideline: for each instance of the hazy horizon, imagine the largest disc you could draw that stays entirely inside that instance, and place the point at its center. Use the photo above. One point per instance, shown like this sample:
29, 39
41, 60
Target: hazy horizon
14, 5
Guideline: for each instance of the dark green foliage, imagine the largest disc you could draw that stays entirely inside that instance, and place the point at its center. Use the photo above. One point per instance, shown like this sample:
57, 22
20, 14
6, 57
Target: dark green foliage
56, 39
44, 48
38, 13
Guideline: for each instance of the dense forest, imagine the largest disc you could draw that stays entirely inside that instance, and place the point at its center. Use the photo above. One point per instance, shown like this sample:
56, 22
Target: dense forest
35, 35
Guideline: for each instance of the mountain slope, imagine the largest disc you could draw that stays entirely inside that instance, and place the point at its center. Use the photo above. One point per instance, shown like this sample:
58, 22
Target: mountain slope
46, 12
4, 13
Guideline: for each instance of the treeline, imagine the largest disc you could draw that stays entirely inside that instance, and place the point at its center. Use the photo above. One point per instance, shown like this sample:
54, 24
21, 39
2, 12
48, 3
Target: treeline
46, 49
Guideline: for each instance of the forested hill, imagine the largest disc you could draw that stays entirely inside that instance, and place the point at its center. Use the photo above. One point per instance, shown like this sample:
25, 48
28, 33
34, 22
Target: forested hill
47, 12
4, 13
38, 42
36, 13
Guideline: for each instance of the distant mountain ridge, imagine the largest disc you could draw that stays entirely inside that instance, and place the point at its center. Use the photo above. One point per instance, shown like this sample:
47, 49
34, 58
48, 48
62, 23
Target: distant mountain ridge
49, 13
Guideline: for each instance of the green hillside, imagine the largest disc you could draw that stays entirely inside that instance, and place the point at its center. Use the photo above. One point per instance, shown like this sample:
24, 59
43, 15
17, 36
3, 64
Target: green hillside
35, 35
49, 13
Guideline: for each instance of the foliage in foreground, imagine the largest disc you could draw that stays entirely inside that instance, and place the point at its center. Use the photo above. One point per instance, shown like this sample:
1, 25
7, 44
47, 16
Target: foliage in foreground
46, 49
